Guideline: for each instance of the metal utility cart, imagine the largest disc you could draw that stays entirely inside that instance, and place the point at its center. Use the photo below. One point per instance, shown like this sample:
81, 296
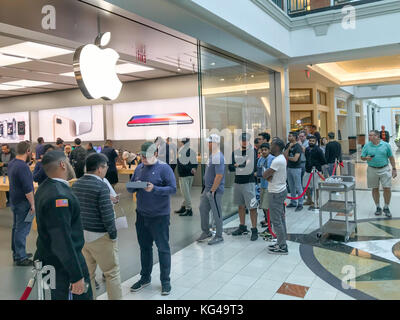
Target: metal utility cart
333, 226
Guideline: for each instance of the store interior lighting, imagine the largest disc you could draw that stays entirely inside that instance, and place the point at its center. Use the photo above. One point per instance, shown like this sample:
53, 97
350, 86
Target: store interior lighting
238, 88
6, 60
19, 84
123, 68
33, 50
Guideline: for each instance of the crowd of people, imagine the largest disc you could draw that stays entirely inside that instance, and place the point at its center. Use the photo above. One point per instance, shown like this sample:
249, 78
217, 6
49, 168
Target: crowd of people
76, 226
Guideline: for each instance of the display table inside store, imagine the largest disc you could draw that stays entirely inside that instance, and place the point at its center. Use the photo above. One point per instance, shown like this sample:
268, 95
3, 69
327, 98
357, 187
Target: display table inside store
126, 170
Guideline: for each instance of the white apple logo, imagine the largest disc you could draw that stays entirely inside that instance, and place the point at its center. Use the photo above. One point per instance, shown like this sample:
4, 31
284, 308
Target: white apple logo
94, 70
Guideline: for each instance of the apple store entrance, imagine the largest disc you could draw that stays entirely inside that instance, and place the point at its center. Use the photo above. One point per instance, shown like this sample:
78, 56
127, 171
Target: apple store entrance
65, 81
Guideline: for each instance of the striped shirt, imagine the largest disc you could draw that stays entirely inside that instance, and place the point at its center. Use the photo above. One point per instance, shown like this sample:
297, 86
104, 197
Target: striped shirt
97, 211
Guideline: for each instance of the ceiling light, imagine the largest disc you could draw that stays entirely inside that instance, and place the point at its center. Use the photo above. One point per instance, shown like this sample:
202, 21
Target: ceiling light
3, 87
131, 68
68, 74
9, 60
179, 69
23, 84
34, 50
213, 63
222, 79
237, 88
252, 76
120, 68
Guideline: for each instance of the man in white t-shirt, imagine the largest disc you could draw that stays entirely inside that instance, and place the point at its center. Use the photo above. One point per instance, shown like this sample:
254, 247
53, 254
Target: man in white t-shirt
276, 177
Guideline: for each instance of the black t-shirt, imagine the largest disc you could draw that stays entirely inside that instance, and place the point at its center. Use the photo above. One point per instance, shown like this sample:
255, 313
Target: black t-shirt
292, 152
333, 151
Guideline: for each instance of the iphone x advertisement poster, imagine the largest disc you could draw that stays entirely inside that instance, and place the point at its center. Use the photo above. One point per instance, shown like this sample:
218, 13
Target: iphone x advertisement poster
14, 127
175, 118
85, 123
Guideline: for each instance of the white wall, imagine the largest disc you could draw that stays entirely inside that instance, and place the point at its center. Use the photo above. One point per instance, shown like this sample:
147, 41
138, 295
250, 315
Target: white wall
261, 24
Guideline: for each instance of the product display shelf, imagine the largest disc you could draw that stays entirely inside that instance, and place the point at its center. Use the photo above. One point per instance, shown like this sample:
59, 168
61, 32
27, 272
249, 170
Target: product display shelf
343, 228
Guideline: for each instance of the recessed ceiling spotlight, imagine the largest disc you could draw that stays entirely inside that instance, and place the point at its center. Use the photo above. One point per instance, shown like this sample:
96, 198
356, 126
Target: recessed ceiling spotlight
252, 76
222, 79
179, 69
213, 63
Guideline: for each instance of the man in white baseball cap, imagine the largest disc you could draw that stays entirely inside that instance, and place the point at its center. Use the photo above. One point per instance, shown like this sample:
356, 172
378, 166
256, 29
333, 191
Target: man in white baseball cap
213, 189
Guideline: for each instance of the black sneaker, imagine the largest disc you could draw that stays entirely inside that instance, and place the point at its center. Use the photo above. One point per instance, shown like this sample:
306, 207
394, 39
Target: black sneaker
204, 237
291, 205
24, 263
278, 250
140, 285
264, 224
269, 238
28, 256
378, 211
265, 233
187, 212
181, 210
387, 213
299, 208
165, 289
272, 246
242, 229
254, 234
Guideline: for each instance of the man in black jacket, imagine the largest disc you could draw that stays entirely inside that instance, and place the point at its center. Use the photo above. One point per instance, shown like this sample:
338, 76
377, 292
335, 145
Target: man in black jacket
333, 152
314, 158
78, 156
60, 233
187, 165
244, 164
101, 247
38, 173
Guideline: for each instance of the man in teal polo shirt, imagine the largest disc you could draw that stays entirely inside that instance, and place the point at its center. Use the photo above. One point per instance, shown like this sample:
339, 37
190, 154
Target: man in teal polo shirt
377, 153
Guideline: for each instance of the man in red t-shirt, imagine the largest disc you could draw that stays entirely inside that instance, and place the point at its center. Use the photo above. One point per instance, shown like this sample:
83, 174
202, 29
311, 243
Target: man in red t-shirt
384, 134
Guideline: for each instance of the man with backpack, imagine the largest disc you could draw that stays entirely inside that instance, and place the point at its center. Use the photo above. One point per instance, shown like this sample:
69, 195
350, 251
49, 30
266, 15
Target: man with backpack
78, 156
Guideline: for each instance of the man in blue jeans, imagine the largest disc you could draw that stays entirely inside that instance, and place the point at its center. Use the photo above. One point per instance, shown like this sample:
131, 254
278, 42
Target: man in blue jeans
22, 202
153, 215
293, 156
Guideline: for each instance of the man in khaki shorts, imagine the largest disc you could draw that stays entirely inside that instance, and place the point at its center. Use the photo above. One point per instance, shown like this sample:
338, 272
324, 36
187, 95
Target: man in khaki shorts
378, 153
244, 164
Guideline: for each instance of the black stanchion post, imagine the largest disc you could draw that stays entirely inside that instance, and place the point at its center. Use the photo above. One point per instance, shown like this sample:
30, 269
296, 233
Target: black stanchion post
314, 171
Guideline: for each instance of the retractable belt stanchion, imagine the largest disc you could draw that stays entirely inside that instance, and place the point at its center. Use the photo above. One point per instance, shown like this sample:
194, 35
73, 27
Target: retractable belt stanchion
38, 267
37, 278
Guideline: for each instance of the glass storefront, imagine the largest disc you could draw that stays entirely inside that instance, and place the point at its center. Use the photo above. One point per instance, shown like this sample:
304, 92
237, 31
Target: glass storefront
235, 96
215, 90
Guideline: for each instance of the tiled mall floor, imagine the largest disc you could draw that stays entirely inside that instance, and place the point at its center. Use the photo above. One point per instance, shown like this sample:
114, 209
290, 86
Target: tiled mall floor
241, 269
